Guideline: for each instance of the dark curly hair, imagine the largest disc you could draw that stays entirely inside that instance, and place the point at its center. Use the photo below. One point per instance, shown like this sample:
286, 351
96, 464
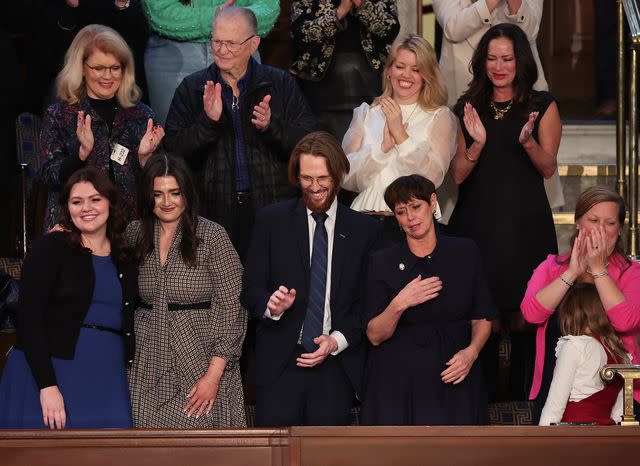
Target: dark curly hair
159, 165
116, 223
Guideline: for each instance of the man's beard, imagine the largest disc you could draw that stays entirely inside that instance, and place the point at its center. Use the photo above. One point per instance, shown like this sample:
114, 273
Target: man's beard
324, 206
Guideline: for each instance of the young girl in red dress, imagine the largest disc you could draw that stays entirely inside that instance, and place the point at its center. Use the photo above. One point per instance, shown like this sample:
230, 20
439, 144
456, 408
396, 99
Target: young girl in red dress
577, 393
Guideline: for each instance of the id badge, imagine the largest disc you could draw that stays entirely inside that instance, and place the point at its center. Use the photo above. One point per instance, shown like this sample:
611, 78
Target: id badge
119, 153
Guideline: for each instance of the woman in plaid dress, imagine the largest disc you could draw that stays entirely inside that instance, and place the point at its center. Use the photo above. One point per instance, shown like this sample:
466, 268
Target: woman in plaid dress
189, 325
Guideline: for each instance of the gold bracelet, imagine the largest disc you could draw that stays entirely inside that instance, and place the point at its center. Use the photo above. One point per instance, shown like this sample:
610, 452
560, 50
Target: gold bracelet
566, 282
466, 156
600, 274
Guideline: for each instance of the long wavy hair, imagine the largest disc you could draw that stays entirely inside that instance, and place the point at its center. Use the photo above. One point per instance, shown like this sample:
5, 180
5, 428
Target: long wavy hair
589, 198
434, 92
70, 85
159, 165
480, 89
581, 313
116, 223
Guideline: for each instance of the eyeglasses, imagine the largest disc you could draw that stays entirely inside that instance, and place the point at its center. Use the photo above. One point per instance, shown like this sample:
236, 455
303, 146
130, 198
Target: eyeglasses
115, 70
231, 45
324, 181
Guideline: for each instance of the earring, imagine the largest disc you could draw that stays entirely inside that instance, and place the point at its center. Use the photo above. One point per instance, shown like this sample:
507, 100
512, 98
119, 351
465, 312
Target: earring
388, 76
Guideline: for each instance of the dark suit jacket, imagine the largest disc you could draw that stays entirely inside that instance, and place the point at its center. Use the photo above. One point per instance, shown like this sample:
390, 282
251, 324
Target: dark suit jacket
279, 255
56, 289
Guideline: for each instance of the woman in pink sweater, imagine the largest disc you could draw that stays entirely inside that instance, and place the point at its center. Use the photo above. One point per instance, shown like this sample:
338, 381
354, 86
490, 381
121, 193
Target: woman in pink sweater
596, 257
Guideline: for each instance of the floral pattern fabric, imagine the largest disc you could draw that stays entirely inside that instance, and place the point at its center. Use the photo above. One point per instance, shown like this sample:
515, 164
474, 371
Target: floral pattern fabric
314, 26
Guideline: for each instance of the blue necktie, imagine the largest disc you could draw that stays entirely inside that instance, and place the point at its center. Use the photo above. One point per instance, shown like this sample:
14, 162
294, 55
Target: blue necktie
314, 319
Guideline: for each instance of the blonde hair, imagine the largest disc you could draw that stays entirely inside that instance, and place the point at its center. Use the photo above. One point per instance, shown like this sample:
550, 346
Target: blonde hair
70, 85
434, 93
581, 311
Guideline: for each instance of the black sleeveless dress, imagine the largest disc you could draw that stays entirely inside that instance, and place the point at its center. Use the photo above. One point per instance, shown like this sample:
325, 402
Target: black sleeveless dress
503, 207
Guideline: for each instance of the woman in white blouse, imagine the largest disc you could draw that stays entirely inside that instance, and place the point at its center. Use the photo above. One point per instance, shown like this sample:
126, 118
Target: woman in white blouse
407, 130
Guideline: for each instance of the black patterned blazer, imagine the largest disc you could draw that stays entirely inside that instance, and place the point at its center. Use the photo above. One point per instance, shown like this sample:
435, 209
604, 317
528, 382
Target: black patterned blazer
314, 27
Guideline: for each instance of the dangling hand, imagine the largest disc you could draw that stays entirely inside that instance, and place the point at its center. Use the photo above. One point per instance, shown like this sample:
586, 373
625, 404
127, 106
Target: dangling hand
85, 135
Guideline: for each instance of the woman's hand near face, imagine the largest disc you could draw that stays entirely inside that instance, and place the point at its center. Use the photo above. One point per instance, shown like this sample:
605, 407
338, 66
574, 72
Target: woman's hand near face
85, 135
597, 250
577, 263
393, 115
52, 403
418, 291
149, 142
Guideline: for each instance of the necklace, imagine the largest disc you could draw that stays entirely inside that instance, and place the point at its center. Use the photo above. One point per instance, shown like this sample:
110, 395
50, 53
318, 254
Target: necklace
498, 113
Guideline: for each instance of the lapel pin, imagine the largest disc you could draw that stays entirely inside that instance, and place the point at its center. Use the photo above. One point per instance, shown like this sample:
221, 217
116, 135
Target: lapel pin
401, 266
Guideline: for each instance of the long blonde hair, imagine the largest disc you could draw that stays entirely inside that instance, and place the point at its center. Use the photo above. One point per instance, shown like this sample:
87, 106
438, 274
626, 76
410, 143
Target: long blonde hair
581, 313
434, 93
70, 85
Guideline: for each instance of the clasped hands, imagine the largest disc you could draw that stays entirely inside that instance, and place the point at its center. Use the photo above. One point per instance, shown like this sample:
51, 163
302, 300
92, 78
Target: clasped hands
212, 102
148, 144
395, 131
280, 301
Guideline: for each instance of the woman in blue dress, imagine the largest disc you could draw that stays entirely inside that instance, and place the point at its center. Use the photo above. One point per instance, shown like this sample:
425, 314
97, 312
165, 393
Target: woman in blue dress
74, 336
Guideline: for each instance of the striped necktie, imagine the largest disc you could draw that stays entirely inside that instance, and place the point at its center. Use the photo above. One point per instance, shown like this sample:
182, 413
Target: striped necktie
314, 319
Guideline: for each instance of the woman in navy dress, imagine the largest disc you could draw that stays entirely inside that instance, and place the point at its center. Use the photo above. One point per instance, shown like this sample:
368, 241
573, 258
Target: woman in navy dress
429, 312
77, 295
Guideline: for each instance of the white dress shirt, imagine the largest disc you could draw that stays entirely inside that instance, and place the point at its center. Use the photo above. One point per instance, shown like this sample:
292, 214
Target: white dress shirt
330, 226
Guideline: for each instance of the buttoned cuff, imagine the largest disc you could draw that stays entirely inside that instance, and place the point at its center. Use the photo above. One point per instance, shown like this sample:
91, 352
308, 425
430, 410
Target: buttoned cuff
342, 342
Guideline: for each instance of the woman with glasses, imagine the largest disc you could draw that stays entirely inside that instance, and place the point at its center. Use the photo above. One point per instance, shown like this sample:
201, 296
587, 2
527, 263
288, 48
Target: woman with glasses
190, 325
408, 130
179, 42
97, 120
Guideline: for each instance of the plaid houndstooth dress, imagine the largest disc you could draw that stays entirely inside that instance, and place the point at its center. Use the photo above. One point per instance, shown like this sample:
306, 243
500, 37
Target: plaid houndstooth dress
174, 348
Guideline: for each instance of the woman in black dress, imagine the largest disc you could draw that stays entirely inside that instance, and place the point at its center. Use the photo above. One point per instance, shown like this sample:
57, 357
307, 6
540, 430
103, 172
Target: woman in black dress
507, 147
428, 311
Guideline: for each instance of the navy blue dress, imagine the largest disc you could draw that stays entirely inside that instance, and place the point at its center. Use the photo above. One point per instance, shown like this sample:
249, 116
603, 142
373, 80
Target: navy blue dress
403, 385
93, 383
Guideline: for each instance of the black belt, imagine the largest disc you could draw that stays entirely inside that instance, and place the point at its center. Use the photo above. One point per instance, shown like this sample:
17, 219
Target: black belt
181, 307
103, 328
